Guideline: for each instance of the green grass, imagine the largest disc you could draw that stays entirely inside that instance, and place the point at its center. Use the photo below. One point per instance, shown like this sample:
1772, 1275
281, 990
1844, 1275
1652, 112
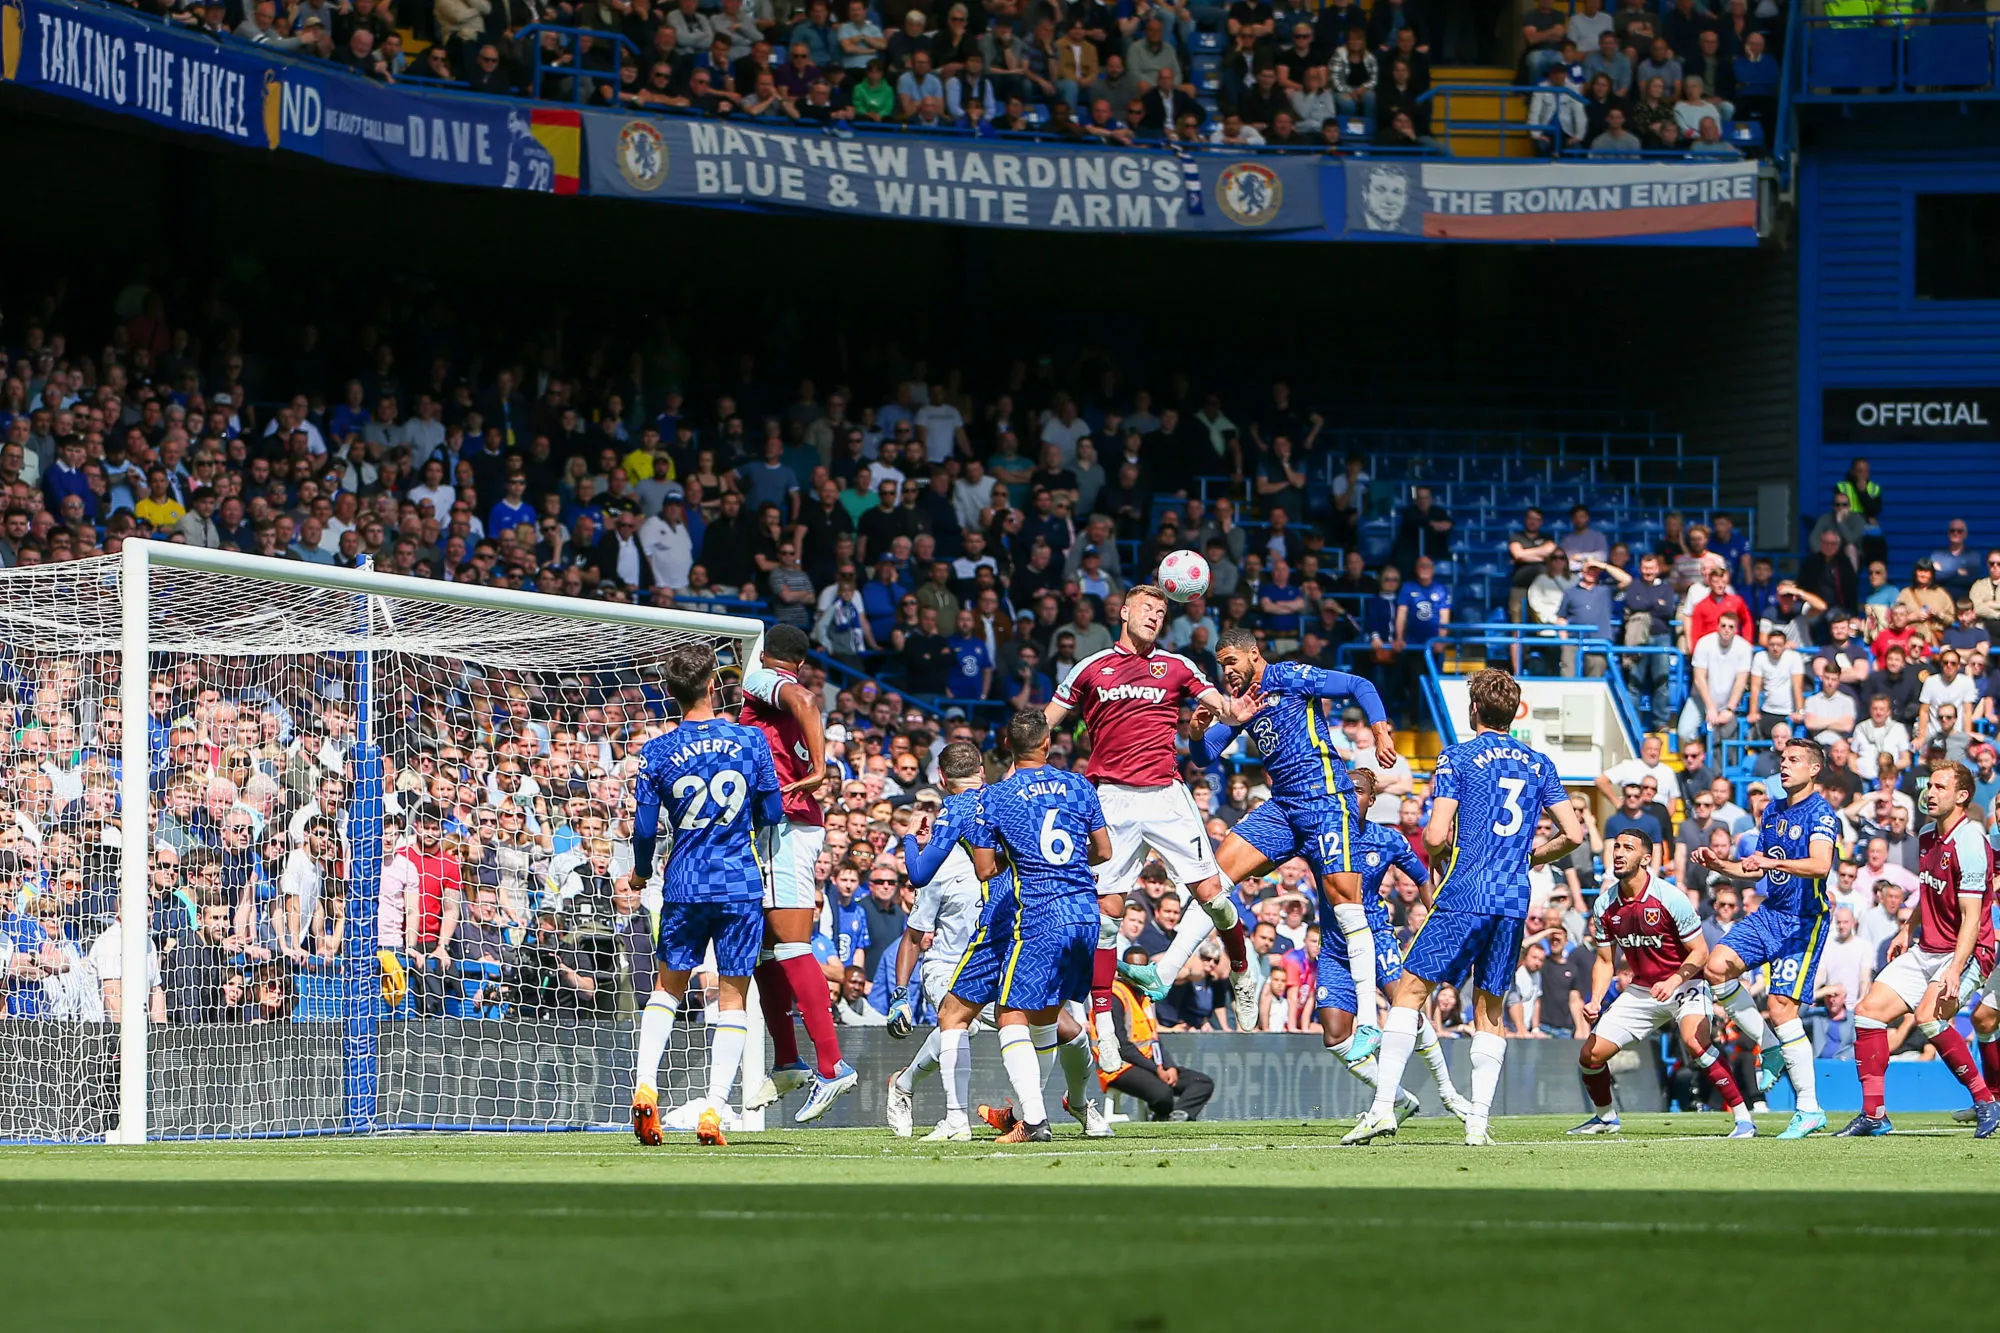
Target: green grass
1181, 1227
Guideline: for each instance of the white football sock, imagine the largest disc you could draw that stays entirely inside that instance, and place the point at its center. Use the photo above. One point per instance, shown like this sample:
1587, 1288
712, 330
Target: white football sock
1044, 1035
1193, 931
926, 1060
1024, 1072
725, 1051
1432, 1051
1221, 909
1399, 1039
1352, 921
1365, 1070
1799, 1063
656, 1029
1489, 1051
1074, 1056
1742, 1006
955, 1069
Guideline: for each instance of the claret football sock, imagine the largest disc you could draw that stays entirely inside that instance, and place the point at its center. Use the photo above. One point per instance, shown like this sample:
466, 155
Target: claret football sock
774, 997
815, 1005
1717, 1069
1957, 1056
1597, 1082
1871, 1063
1989, 1058
1221, 910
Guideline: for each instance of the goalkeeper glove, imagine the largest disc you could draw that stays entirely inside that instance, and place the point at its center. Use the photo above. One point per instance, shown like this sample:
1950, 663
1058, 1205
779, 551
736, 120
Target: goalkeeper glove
902, 1021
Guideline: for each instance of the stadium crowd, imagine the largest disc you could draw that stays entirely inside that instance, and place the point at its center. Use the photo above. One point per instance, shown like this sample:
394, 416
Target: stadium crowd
951, 547
1648, 77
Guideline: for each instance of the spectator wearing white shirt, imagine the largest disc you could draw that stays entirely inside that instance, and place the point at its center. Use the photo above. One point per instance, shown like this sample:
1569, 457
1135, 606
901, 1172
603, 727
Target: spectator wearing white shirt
971, 496
1721, 673
1828, 714
104, 998
1880, 734
943, 427
1588, 24
1554, 102
1650, 762
667, 540
1778, 684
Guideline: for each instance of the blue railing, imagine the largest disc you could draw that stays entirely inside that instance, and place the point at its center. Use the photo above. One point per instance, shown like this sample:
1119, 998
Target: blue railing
577, 44
1499, 130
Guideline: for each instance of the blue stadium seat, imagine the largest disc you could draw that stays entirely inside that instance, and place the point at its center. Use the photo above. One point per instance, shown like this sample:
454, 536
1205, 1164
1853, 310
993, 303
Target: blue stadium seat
1357, 127
1208, 80
1037, 115
1758, 78
1852, 58
1206, 43
1949, 55
1746, 133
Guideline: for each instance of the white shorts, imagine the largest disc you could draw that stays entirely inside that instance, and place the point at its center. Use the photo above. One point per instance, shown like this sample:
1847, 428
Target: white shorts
1989, 991
1911, 972
1635, 1015
789, 853
934, 976
1162, 818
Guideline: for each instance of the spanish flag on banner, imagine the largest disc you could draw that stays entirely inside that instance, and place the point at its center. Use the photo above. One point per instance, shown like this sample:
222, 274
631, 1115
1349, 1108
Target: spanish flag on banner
561, 132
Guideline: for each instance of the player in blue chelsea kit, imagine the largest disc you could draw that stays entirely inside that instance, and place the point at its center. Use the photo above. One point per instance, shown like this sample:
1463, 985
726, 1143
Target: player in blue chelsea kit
1312, 811
1798, 843
953, 918
1486, 795
716, 781
1049, 824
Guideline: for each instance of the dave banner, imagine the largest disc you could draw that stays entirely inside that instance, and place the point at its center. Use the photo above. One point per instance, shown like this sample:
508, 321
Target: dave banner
184, 81
1714, 203
966, 181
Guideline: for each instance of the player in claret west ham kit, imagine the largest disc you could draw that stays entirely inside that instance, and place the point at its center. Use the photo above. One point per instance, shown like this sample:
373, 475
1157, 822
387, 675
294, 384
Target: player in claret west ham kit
1946, 967
1130, 698
1658, 932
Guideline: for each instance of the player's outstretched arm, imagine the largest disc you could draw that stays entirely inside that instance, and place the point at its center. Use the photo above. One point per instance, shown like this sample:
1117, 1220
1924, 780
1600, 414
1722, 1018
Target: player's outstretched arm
921, 863
1055, 712
1209, 738
1569, 835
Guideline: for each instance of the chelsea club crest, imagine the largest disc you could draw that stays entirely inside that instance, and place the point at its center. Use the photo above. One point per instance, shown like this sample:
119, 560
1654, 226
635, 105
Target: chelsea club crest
1250, 193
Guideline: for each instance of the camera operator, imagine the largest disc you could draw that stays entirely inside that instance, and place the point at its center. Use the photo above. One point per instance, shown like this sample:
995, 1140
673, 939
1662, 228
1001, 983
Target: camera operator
567, 969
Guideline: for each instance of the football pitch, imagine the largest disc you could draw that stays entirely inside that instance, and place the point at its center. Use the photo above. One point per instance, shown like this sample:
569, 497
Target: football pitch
1166, 1227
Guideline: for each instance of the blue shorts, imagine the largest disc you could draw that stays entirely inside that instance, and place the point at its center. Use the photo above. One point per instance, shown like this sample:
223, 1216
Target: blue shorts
736, 929
1336, 984
1450, 942
1048, 959
1322, 830
1791, 945
977, 979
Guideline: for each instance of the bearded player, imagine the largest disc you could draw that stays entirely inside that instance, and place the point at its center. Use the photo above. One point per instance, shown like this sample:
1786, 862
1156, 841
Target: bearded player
1660, 936
1130, 697
1947, 967
787, 972
1312, 812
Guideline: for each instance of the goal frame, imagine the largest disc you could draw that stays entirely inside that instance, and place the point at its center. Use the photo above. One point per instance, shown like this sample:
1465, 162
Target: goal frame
137, 559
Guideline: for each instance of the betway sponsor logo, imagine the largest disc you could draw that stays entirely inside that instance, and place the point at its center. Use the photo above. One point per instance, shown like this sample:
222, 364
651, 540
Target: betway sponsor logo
1151, 694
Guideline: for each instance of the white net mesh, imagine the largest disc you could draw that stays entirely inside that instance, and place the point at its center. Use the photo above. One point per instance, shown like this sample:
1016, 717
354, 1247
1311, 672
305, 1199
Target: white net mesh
316, 969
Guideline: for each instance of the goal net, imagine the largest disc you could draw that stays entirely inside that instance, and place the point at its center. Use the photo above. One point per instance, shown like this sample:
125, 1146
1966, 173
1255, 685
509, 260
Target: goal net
221, 912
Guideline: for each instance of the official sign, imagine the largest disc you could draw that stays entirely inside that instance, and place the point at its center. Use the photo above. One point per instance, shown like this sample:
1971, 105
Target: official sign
1950, 415
1686, 202
963, 180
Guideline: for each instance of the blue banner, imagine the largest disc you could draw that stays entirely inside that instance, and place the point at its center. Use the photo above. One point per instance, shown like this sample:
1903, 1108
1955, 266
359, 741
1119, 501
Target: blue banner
165, 76
963, 180
433, 137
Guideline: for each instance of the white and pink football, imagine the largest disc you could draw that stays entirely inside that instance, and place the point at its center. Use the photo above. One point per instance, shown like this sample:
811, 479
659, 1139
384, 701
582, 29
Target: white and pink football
1184, 574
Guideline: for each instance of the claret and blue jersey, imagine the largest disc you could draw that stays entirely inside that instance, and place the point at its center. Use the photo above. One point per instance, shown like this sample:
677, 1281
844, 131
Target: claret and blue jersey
715, 782
1501, 787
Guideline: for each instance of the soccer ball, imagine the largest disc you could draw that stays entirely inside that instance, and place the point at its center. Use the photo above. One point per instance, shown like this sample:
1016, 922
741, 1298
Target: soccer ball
1184, 574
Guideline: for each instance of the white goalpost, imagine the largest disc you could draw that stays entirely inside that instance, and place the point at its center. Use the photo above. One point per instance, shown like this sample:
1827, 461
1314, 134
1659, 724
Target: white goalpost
216, 918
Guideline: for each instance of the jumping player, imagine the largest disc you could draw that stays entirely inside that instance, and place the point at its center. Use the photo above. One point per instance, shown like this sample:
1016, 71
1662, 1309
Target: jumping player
716, 780
787, 973
1486, 795
1129, 696
1661, 938
1312, 812
1933, 978
1049, 825
1797, 845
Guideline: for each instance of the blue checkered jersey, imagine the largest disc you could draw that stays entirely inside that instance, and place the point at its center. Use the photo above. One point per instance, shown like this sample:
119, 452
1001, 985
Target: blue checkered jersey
1788, 831
1376, 849
1501, 787
1041, 819
1294, 735
715, 781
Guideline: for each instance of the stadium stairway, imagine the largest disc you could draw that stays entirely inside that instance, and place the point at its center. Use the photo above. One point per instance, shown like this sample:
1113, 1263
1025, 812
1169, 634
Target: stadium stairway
1477, 108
